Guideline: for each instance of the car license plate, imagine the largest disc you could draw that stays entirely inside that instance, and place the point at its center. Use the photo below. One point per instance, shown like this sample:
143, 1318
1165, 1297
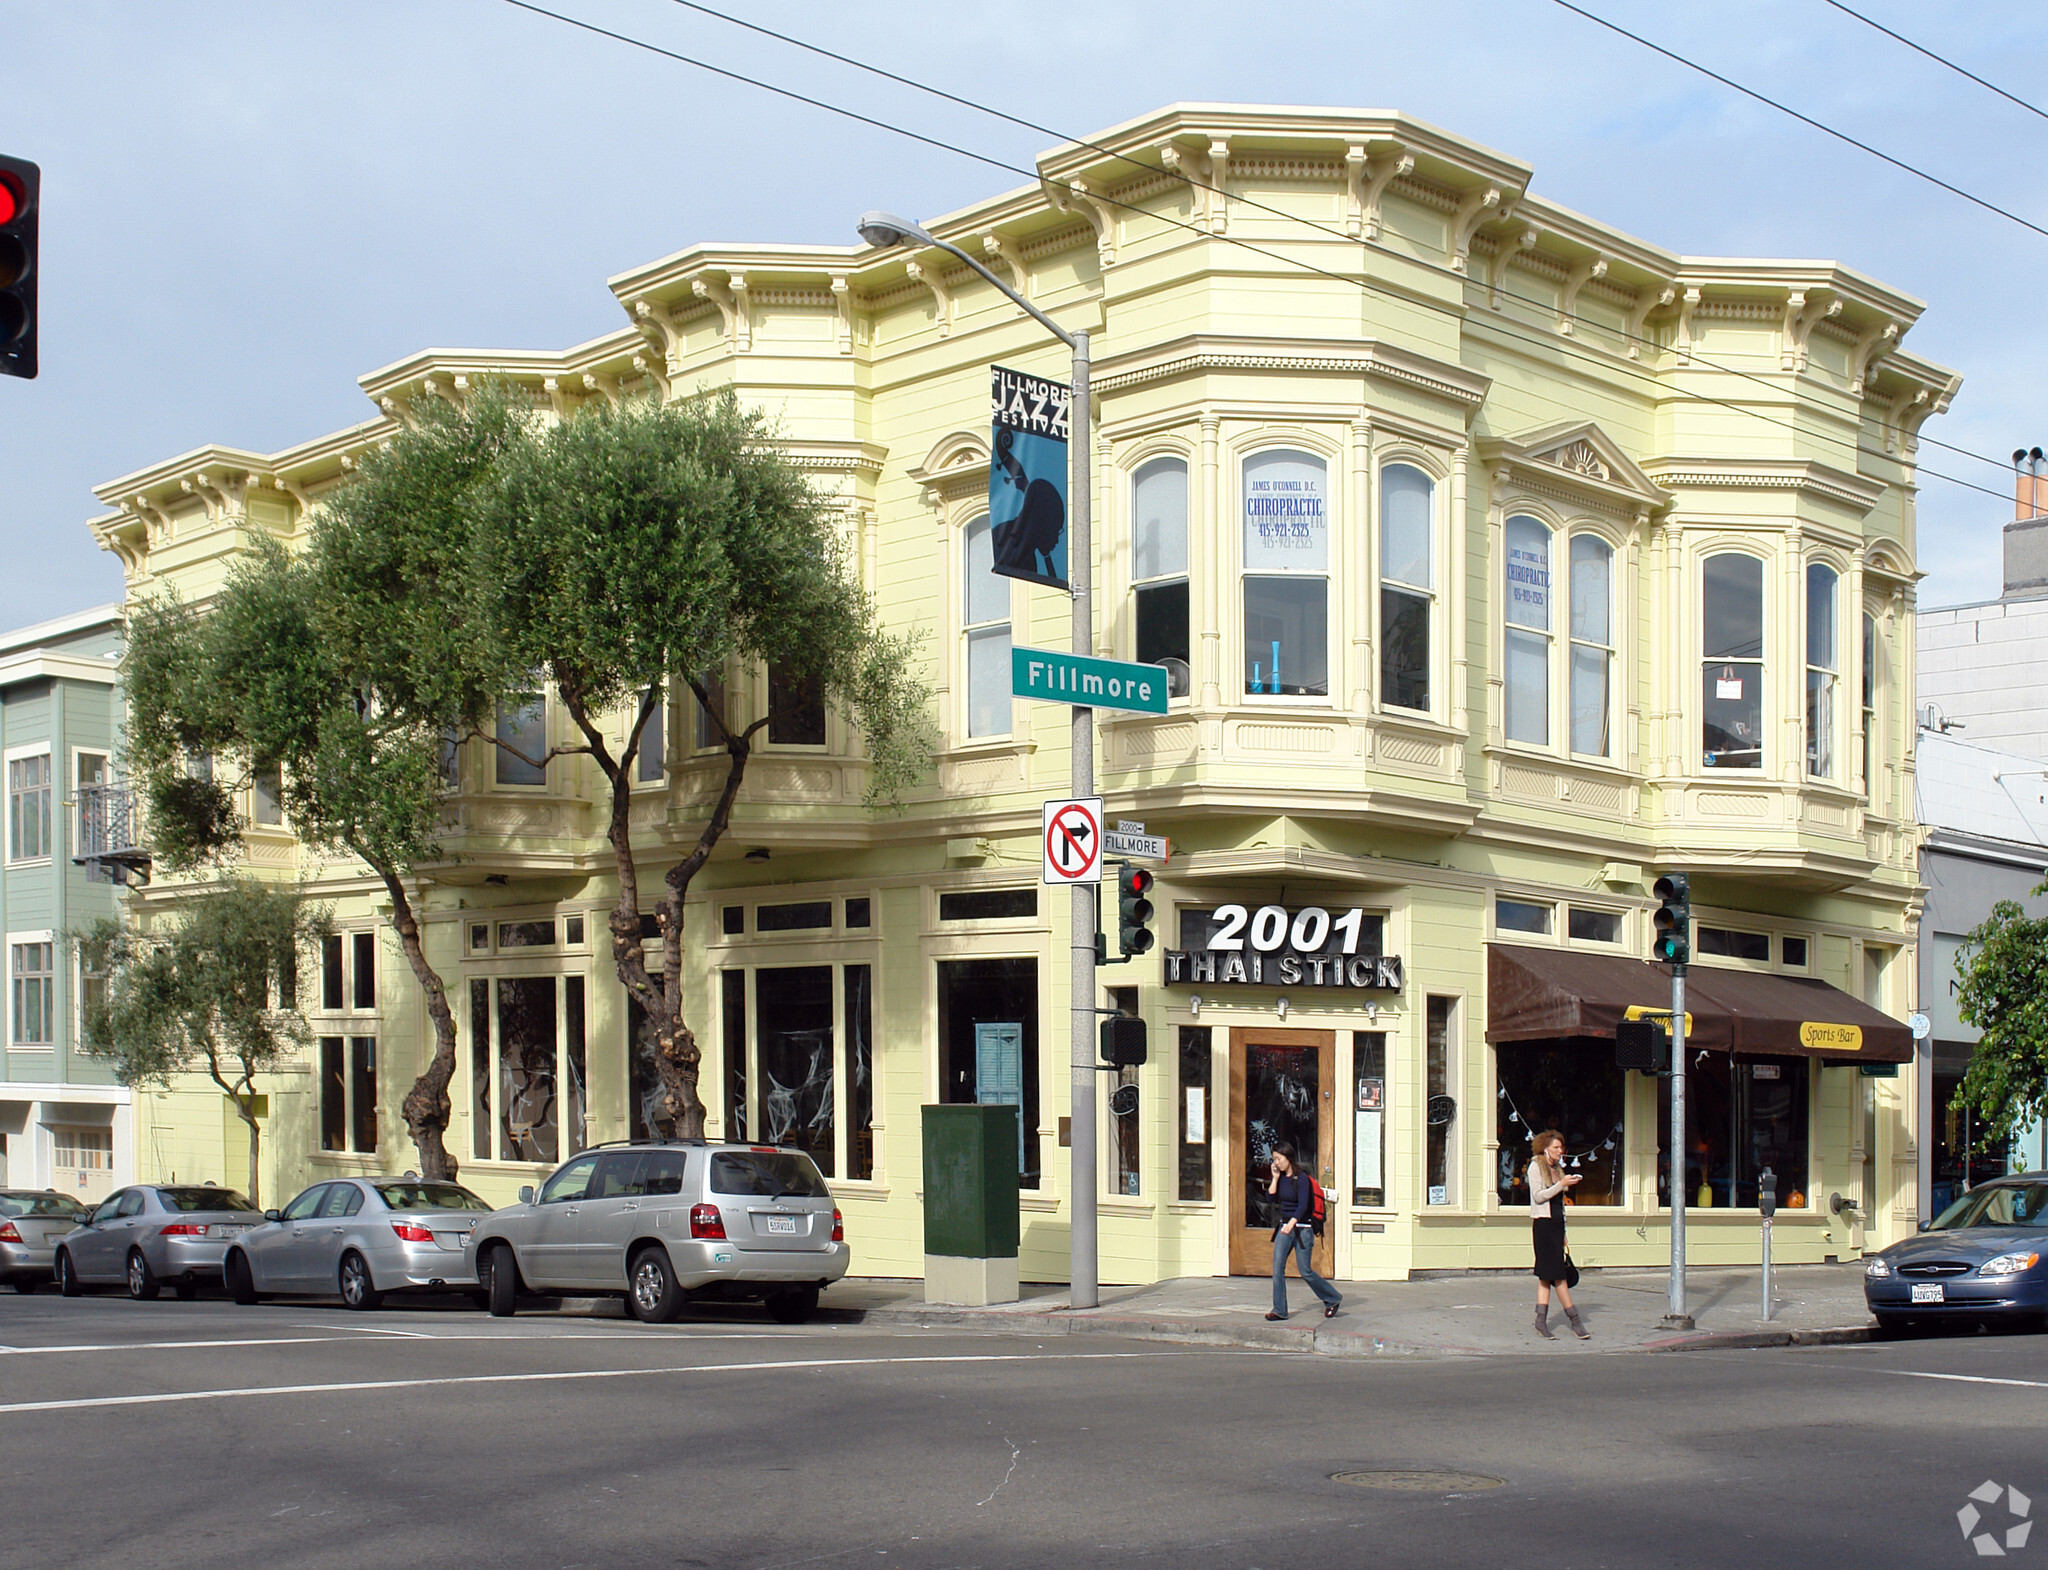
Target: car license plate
227, 1231
1927, 1292
782, 1224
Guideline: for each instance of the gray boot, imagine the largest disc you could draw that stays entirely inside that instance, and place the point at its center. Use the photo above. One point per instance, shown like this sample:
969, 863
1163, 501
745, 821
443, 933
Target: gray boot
1542, 1327
1579, 1330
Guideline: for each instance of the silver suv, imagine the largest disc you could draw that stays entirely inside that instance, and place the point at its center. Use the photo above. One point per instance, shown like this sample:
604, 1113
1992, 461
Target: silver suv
660, 1224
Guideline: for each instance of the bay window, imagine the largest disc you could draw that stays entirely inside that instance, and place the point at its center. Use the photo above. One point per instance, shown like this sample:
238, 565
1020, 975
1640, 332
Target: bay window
1526, 651
1592, 645
522, 740
1286, 575
1407, 585
985, 631
1869, 699
1159, 561
1732, 670
1822, 670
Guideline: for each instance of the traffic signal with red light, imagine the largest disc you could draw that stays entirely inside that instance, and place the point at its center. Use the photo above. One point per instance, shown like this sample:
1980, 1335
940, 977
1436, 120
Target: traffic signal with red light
21, 184
1671, 937
1134, 910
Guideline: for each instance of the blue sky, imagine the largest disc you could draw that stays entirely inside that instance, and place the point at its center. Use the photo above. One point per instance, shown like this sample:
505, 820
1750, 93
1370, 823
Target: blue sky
248, 205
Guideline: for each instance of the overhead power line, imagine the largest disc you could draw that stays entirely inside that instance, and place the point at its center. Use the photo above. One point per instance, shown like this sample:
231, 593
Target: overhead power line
1805, 119
1203, 185
1546, 344
2010, 98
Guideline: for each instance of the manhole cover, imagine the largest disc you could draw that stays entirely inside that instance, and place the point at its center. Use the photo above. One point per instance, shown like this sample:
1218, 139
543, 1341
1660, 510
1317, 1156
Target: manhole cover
1417, 1482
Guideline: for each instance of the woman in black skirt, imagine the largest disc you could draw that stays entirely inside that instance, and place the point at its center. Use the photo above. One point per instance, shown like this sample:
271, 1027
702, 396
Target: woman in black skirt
1547, 1183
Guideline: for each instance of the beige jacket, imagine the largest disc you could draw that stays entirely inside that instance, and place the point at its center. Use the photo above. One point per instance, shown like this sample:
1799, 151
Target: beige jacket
1539, 1196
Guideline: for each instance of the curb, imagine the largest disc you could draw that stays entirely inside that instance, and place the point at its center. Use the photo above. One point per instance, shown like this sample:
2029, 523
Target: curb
1750, 1340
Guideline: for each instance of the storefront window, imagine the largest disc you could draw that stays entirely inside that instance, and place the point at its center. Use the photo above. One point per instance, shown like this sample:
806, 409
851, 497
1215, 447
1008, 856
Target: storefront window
1741, 1115
480, 1069
1732, 672
1526, 598
1369, 1118
1159, 560
1958, 1165
732, 986
860, 1073
1822, 670
1286, 575
1441, 1109
1407, 584
529, 1111
1573, 1087
988, 1043
794, 1059
1195, 1181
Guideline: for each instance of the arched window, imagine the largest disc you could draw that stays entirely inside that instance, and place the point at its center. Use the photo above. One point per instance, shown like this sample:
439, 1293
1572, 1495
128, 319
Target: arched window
1407, 585
1159, 561
1592, 678
1823, 669
1732, 669
1286, 575
985, 632
1526, 598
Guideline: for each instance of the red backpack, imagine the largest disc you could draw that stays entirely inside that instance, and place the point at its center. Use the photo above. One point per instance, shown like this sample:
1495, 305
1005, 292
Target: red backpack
1318, 1208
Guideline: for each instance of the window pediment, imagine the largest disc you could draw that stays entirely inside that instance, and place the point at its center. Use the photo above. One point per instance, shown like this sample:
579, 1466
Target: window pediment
956, 466
1578, 462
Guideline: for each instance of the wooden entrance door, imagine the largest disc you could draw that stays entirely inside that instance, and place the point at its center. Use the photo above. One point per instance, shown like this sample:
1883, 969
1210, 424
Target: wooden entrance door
1281, 1084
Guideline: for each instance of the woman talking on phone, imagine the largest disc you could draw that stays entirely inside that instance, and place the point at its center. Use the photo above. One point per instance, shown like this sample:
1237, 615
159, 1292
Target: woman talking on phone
1547, 1184
1296, 1233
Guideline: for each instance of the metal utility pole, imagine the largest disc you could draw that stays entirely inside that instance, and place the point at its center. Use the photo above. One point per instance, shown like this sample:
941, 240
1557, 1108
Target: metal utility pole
1676, 1317
885, 229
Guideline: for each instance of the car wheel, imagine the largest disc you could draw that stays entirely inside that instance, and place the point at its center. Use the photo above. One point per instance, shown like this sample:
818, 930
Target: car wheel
1891, 1327
142, 1282
793, 1308
652, 1294
358, 1291
239, 1279
67, 1275
500, 1274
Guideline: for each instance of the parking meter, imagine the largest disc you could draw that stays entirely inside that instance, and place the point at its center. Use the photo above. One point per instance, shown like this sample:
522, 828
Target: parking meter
1767, 1192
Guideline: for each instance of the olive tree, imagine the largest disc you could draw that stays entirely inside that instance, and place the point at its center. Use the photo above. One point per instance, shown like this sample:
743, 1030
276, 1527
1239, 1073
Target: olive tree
2003, 970
209, 987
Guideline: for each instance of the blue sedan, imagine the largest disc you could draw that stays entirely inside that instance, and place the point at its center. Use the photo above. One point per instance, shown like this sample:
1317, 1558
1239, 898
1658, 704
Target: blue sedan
1985, 1257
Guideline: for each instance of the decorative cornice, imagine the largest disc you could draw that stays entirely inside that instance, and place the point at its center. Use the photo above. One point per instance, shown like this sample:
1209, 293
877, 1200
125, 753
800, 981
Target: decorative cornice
1366, 357
1801, 476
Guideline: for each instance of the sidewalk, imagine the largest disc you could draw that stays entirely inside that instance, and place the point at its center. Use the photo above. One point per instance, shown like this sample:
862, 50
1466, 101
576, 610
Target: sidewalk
1477, 1315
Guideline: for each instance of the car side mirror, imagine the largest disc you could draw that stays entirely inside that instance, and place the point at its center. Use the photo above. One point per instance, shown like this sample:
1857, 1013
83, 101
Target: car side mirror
273, 1215
526, 1193
1926, 1226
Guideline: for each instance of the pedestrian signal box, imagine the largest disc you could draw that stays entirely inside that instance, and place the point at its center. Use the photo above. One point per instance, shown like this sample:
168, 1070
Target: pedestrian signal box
1644, 1045
1123, 1042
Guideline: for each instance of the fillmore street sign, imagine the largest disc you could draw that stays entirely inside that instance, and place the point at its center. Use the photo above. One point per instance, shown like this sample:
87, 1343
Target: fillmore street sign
1084, 680
1273, 946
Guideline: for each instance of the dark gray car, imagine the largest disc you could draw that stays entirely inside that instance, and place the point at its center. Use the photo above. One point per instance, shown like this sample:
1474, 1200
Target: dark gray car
662, 1224
359, 1238
31, 1221
1983, 1258
152, 1234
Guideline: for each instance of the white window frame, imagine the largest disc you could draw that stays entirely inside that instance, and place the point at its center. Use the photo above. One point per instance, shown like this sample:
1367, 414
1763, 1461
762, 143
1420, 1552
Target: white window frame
1434, 595
1330, 574
1871, 664
22, 754
77, 813
1546, 635
1611, 649
1694, 711
500, 756
665, 717
972, 631
14, 1041
1164, 580
1831, 674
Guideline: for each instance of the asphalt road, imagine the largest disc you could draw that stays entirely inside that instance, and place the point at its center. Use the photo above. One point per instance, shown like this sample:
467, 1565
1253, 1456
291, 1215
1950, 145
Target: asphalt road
180, 1434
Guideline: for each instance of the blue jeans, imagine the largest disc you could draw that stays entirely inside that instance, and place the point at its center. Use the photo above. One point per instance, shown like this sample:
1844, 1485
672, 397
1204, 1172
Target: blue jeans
1300, 1242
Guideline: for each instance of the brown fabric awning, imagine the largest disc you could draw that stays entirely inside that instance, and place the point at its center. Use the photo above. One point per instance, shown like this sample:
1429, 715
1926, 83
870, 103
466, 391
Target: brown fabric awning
1534, 993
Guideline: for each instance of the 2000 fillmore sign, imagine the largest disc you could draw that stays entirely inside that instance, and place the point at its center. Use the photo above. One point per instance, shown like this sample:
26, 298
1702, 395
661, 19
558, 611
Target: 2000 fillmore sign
1273, 946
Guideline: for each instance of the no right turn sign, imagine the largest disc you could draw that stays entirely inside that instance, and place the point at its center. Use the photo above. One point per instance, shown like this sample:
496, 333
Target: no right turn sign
1073, 841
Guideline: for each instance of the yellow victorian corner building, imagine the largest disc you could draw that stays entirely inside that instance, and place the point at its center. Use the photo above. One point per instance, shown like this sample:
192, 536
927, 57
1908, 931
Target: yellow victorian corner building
1600, 562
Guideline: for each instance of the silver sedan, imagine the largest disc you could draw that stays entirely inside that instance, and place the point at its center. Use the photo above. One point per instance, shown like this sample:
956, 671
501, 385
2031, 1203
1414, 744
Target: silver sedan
360, 1238
31, 1221
152, 1234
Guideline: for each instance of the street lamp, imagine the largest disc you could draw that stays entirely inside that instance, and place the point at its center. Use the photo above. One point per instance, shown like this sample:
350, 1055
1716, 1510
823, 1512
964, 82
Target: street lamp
884, 230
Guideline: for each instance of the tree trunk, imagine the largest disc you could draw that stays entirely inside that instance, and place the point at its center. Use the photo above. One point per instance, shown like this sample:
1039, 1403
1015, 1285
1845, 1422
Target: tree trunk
427, 1107
244, 1099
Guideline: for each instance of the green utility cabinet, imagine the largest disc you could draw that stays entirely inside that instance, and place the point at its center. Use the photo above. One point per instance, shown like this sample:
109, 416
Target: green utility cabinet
970, 1204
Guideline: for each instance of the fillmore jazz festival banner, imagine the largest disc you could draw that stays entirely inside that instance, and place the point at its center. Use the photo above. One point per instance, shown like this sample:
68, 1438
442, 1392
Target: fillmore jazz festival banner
1027, 477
